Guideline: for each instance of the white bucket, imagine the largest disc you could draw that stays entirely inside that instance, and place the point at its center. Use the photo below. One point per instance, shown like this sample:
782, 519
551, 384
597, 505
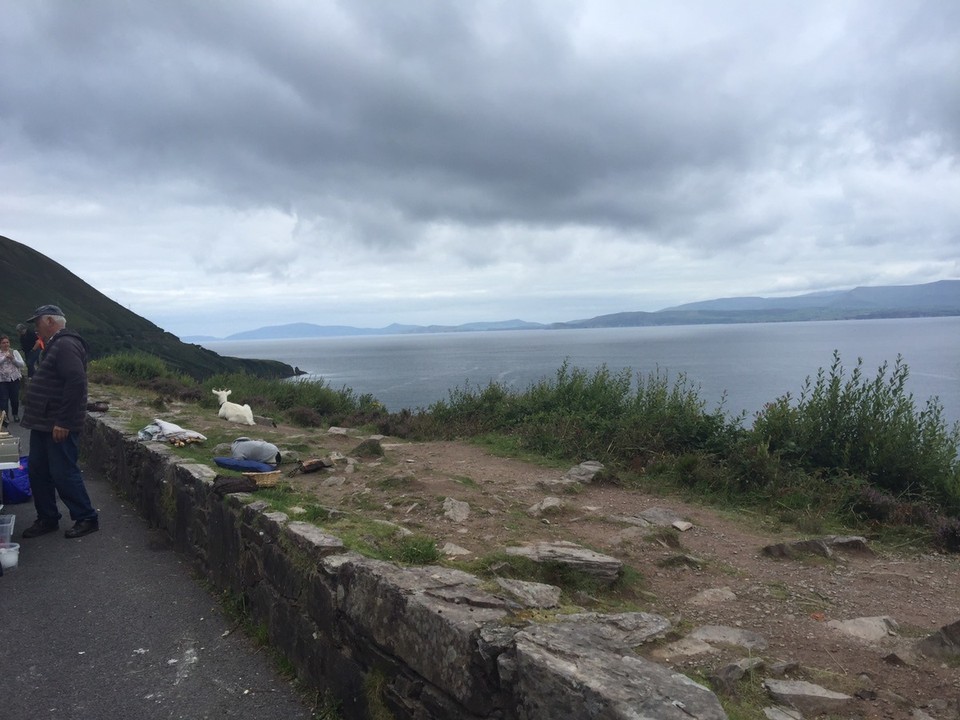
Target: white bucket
9, 555
6, 528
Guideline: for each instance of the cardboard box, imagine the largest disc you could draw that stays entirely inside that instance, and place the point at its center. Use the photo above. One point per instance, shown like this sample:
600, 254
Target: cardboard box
9, 449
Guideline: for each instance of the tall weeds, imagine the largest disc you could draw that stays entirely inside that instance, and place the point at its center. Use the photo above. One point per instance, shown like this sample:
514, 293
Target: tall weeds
580, 415
870, 428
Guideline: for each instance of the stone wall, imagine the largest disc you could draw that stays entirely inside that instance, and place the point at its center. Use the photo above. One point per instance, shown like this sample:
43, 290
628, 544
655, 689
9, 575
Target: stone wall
422, 643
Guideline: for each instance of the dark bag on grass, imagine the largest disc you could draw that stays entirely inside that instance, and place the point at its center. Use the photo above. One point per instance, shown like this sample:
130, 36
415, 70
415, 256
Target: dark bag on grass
223, 484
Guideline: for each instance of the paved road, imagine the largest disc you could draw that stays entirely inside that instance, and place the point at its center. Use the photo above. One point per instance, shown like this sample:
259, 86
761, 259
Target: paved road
115, 625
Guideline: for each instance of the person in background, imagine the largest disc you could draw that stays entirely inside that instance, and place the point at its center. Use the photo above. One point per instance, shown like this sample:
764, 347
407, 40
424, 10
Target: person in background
31, 346
54, 411
11, 366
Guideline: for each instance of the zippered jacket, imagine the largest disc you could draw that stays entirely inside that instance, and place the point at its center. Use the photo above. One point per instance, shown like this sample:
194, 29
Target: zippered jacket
57, 393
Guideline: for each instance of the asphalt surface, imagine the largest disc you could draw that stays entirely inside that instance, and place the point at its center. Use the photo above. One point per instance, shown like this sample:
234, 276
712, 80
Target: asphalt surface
115, 625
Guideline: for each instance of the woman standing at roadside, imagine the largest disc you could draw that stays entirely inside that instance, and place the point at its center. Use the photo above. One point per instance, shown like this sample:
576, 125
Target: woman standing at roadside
10, 366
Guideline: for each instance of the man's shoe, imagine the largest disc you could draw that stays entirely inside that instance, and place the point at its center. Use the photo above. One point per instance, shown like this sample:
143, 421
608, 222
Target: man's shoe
81, 528
39, 528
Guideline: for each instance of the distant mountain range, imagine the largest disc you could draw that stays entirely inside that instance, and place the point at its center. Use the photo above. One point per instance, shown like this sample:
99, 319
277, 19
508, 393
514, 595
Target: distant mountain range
861, 303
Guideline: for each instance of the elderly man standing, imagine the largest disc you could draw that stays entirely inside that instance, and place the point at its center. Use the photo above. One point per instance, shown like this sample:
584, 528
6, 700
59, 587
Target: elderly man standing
54, 411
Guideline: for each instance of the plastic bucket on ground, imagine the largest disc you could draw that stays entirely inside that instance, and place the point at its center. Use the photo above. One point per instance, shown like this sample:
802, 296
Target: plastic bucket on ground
6, 528
9, 555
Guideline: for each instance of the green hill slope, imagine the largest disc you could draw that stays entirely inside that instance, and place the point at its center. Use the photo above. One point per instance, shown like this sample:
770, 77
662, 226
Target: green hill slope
31, 279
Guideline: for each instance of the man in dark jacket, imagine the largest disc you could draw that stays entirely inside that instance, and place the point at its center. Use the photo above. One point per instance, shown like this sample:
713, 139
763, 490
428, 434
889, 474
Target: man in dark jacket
54, 412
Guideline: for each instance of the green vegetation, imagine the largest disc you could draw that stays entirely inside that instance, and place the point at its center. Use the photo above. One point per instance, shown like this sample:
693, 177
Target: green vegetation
579, 415
867, 428
850, 452
370, 537
375, 684
304, 403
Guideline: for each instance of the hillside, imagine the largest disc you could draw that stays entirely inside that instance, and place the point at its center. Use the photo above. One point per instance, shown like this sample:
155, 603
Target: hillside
32, 279
934, 299
861, 303
941, 296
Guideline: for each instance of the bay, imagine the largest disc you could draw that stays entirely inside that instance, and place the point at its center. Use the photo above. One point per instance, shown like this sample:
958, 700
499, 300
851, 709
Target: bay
743, 366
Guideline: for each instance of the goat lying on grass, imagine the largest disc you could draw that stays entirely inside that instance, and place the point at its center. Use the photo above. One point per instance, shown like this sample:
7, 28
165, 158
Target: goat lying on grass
231, 411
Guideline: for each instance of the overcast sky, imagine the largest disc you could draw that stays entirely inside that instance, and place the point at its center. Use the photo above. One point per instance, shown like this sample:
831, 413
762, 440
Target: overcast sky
221, 166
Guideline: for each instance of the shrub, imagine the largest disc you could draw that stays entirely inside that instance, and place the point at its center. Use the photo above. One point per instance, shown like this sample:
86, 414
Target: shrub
417, 550
173, 387
133, 368
469, 412
874, 504
305, 416
405, 424
947, 535
870, 428
599, 415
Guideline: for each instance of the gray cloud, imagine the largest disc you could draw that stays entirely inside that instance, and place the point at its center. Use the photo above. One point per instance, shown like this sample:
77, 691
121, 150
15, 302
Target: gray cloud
449, 143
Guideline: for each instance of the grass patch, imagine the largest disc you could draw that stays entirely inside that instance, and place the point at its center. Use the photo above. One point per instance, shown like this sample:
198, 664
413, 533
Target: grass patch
508, 446
374, 689
368, 536
749, 702
282, 497
417, 550
665, 537
398, 481
327, 707
318, 514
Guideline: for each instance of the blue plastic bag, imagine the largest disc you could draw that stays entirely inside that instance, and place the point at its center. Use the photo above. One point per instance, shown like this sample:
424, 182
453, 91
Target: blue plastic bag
232, 463
16, 484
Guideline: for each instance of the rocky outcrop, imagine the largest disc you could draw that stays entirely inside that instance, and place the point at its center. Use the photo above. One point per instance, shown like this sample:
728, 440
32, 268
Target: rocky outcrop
422, 642
582, 663
945, 643
823, 547
596, 565
581, 474
808, 698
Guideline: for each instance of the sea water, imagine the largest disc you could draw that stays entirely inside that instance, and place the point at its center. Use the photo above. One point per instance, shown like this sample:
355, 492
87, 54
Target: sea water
742, 366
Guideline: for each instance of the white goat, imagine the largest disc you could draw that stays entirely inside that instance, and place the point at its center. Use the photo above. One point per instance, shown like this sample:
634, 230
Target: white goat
231, 411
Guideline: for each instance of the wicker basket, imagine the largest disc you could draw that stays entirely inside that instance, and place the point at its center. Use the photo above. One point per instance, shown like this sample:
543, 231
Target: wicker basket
264, 479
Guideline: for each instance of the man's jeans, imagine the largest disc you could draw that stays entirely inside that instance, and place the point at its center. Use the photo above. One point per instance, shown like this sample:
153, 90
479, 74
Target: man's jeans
54, 470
